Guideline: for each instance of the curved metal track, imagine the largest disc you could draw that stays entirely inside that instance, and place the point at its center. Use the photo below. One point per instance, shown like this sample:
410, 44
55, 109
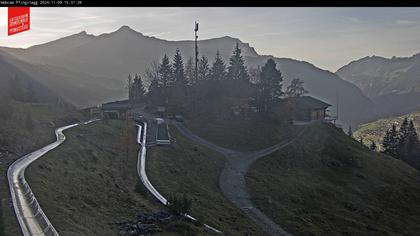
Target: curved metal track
31, 217
141, 171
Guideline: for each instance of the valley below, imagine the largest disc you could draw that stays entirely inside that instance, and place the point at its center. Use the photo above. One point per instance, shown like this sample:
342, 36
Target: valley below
246, 143
328, 184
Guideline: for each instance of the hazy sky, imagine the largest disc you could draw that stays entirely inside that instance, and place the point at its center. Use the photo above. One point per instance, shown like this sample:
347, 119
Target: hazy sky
326, 37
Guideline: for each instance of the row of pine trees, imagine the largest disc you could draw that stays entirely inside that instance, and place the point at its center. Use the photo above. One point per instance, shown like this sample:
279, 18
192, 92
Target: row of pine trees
401, 143
169, 74
166, 75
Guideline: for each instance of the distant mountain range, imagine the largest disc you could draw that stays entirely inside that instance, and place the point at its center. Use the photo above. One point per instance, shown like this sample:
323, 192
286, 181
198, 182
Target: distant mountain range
393, 84
87, 70
16, 84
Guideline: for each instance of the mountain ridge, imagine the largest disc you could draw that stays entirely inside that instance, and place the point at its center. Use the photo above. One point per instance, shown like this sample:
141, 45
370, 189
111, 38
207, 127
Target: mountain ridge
393, 84
112, 56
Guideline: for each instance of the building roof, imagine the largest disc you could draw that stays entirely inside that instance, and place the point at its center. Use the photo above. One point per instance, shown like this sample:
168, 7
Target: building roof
308, 102
117, 105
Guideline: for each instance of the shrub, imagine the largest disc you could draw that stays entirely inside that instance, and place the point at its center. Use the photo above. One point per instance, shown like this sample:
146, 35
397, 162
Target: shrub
179, 205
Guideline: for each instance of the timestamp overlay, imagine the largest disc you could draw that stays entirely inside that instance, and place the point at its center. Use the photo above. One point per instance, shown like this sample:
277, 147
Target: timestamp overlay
34, 3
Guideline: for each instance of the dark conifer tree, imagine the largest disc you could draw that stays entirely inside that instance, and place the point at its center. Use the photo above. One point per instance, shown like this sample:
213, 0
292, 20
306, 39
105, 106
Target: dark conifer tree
403, 148
390, 142
412, 147
165, 72
152, 74
413, 138
237, 69
218, 70
203, 69
137, 89
154, 90
269, 89
154, 86
403, 131
178, 68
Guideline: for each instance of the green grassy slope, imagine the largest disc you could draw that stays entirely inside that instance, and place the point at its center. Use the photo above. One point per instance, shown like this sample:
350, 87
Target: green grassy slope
19, 137
239, 133
194, 170
376, 130
328, 184
89, 181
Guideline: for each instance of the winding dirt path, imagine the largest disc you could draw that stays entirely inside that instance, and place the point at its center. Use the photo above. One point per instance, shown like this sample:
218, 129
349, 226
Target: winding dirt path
232, 180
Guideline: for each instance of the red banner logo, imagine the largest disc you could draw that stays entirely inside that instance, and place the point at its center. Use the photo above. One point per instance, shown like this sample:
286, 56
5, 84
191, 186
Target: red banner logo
18, 19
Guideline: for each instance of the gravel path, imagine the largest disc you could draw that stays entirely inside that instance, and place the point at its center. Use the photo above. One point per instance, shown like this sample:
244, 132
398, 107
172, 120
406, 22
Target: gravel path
232, 180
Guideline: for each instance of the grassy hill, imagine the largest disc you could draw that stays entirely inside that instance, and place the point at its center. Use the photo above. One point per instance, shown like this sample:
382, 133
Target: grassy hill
29, 113
247, 131
328, 184
194, 170
89, 181
243, 134
25, 127
376, 130
27, 108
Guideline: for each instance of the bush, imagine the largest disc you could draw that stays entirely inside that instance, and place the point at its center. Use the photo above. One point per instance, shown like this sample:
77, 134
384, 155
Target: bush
179, 205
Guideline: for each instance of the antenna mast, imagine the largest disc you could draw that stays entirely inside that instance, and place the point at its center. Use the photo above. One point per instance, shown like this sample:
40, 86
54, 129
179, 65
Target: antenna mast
196, 51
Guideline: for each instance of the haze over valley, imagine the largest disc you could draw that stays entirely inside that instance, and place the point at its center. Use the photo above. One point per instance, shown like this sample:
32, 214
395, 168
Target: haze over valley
102, 63
273, 122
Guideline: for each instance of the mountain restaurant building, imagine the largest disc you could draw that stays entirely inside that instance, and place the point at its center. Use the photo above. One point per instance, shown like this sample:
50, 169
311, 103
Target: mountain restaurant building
307, 109
116, 110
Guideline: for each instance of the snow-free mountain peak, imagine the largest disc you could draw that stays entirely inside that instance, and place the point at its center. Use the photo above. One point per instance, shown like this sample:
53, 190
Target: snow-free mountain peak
126, 29
97, 60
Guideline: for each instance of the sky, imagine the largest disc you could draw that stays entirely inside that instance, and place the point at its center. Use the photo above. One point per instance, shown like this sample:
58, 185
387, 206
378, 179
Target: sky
326, 37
